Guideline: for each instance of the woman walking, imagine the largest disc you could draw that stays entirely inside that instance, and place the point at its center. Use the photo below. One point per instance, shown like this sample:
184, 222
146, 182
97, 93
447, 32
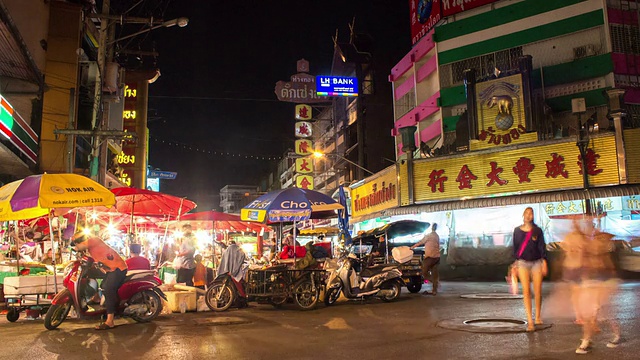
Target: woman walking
531, 263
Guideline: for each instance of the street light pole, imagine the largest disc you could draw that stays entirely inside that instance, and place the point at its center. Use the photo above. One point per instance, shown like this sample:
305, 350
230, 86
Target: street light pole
578, 107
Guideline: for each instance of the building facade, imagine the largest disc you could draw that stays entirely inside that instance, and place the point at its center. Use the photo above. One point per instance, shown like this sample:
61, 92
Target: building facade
24, 29
513, 102
235, 197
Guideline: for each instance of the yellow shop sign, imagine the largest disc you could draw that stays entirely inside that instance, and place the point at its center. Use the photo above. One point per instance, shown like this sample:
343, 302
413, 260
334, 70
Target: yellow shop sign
556, 166
377, 193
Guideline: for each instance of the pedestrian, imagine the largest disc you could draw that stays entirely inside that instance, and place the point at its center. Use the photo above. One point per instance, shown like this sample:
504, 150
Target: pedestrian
530, 253
114, 267
137, 262
573, 246
184, 257
598, 287
200, 273
431, 242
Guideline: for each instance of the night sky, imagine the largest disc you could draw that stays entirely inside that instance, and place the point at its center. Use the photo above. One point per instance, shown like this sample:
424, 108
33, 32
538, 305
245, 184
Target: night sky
216, 92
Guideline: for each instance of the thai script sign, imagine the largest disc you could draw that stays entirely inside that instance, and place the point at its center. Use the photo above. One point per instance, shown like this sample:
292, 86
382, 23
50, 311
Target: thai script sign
336, 86
425, 14
452, 7
377, 193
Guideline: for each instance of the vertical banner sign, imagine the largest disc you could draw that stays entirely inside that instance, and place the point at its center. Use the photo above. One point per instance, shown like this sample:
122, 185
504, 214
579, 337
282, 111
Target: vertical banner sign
425, 14
127, 157
303, 112
304, 182
304, 166
304, 147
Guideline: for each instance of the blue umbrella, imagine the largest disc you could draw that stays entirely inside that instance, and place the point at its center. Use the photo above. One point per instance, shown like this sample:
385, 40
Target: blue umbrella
343, 217
292, 204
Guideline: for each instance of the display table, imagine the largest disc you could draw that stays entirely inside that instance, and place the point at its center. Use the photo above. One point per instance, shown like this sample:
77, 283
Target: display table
7, 271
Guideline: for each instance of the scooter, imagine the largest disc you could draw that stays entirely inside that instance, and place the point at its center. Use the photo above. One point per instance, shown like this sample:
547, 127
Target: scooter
140, 297
382, 281
224, 292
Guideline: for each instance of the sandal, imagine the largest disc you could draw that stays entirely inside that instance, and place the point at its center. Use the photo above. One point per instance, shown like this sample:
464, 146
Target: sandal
104, 326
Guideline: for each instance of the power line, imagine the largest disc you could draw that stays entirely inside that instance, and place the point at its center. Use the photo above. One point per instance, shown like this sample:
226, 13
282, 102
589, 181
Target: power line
201, 150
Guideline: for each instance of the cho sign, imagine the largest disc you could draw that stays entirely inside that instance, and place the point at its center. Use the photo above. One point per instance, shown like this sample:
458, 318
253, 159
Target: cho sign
336, 86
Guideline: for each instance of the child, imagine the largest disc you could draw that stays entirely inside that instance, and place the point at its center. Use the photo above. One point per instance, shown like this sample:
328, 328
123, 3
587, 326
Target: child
200, 275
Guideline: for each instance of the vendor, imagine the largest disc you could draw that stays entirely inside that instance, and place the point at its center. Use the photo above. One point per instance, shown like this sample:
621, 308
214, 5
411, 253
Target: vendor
48, 258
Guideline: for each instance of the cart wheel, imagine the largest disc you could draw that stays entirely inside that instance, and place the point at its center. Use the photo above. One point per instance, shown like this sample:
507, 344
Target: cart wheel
219, 297
415, 285
305, 296
13, 314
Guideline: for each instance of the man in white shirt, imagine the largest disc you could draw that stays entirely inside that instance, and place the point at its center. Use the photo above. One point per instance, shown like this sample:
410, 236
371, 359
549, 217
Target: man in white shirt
431, 242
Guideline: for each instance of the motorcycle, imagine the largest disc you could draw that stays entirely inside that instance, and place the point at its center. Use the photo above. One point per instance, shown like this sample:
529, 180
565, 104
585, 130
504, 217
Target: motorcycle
224, 292
355, 280
140, 297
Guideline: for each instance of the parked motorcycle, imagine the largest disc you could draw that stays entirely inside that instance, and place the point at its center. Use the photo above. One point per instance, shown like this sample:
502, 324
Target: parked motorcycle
224, 292
140, 297
355, 280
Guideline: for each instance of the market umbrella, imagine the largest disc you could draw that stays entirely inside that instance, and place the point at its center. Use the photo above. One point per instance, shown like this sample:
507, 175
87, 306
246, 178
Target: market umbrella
290, 205
38, 195
146, 202
216, 220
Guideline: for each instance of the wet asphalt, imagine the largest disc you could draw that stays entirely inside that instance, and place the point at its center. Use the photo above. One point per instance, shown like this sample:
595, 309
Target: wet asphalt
406, 329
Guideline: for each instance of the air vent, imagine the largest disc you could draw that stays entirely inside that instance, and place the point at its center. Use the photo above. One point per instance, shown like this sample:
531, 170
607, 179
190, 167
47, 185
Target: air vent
584, 51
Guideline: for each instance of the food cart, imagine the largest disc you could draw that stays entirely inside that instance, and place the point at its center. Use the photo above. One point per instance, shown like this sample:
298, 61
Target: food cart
29, 293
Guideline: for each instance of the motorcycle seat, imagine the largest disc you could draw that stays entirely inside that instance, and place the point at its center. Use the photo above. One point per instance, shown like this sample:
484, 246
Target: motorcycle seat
138, 274
376, 269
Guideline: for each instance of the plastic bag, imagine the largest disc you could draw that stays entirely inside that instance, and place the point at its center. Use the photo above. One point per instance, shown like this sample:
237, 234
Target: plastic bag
177, 262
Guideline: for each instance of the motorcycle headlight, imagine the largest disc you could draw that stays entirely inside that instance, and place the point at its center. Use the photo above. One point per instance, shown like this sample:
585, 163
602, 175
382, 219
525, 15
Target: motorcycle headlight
67, 269
273, 277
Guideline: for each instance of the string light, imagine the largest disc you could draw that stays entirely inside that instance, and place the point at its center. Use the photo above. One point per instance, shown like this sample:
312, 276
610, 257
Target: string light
212, 152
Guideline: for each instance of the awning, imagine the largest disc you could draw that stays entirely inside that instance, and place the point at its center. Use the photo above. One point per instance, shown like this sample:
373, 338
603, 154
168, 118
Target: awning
531, 198
15, 60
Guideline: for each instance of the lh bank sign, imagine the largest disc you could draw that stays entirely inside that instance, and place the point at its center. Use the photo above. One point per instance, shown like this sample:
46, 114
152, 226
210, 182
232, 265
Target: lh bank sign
336, 86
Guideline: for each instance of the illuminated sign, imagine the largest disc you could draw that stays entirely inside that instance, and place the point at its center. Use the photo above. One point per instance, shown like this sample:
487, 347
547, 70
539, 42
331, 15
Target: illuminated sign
303, 112
304, 147
556, 166
501, 119
303, 129
452, 7
336, 86
127, 157
304, 166
304, 182
377, 193
425, 14
563, 208
301, 89
17, 131
153, 184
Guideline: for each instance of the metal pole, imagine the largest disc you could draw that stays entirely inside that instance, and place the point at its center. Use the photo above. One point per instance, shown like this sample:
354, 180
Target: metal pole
410, 182
71, 125
582, 143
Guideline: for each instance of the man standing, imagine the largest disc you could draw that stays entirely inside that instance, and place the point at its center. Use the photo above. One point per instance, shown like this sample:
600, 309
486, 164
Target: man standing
185, 257
431, 242
137, 262
112, 265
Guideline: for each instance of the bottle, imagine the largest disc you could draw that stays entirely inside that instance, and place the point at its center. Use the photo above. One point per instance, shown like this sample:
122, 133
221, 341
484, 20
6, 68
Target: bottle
183, 305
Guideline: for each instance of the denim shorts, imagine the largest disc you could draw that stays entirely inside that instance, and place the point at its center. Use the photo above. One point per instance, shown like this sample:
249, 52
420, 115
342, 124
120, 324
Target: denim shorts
532, 266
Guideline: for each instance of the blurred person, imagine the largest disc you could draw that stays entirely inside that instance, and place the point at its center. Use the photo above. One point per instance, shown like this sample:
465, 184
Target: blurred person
573, 246
598, 287
114, 267
200, 273
233, 261
431, 242
531, 264
185, 257
137, 262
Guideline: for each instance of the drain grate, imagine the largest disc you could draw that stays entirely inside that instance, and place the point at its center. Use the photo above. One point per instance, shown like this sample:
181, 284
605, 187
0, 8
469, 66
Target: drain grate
504, 323
489, 325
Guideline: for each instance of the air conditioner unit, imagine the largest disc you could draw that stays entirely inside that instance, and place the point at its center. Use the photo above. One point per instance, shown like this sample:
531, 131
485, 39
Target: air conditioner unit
584, 51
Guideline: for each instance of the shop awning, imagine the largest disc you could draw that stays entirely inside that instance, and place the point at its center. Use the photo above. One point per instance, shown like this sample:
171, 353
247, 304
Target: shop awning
531, 198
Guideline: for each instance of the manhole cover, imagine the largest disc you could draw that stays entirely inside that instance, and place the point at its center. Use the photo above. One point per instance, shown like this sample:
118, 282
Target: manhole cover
504, 323
491, 296
489, 325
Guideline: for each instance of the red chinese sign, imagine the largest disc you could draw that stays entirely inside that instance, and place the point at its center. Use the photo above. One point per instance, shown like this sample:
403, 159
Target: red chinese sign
425, 14
523, 168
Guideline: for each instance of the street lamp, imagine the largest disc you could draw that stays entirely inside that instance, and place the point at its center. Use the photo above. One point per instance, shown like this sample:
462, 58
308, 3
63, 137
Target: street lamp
319, 154
181, 22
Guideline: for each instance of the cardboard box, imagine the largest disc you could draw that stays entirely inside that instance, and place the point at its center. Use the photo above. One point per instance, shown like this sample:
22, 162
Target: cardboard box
31, 284
174, 298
